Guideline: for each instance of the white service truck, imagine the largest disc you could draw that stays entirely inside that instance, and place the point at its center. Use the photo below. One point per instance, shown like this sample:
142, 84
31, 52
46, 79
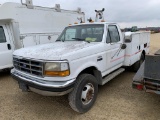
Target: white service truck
23, 25
84, 56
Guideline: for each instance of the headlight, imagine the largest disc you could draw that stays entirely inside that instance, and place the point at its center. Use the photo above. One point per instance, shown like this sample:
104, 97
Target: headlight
57, 69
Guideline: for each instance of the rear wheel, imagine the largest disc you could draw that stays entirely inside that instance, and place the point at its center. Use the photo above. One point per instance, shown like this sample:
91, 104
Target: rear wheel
137, 65
84, 95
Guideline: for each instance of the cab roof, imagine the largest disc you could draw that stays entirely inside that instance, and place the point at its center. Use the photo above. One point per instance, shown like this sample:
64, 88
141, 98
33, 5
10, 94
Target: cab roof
92, 23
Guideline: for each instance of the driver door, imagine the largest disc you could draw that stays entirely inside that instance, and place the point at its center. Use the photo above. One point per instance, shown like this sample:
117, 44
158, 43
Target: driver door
116, 53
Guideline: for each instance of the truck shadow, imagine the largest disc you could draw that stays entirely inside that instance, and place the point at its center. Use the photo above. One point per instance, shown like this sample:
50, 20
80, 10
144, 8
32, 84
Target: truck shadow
45, 107
4, 74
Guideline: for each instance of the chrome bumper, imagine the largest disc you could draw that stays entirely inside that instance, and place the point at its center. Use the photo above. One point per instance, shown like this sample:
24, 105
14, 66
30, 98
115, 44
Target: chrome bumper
46, 88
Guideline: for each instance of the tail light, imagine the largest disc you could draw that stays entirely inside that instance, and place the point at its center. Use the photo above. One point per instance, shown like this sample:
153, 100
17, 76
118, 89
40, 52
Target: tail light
137, 86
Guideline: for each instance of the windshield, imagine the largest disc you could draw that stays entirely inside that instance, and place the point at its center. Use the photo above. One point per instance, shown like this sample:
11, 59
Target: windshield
89, 33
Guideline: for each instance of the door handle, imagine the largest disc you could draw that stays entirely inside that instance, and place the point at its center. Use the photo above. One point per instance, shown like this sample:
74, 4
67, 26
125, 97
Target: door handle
9, 46
99, 58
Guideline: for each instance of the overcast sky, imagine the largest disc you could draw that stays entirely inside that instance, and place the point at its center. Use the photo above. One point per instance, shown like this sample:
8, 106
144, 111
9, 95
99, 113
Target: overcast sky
126, 12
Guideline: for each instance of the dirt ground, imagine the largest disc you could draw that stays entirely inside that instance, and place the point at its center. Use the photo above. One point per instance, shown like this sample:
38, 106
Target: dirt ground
116, 101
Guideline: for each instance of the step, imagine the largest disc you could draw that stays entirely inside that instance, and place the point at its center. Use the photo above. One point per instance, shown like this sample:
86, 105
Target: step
112, 75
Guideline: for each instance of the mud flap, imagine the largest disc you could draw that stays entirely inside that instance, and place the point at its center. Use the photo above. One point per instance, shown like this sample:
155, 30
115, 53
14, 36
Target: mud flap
140, 74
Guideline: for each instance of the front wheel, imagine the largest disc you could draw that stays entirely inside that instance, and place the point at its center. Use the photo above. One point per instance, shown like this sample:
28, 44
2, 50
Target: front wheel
84, 95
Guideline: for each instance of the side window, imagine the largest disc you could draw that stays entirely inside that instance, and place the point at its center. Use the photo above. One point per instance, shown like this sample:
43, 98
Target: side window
2, 35
114, 34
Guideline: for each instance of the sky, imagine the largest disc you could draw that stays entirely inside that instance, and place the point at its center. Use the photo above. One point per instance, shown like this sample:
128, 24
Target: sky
141, 13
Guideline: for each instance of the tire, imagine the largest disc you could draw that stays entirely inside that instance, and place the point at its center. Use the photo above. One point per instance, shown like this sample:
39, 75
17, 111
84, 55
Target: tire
137, 65
86, 87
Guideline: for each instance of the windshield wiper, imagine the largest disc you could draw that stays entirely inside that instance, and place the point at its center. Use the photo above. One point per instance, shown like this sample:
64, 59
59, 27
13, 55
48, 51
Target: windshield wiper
58, 40
79, 39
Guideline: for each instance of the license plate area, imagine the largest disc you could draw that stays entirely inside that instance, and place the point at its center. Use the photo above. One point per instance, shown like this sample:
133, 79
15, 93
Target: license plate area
23, 87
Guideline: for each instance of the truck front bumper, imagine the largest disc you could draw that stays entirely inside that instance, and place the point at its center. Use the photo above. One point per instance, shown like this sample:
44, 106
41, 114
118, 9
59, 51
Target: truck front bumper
46, 88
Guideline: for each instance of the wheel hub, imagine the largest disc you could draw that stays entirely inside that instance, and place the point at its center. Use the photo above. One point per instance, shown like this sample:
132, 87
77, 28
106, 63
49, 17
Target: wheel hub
87, 93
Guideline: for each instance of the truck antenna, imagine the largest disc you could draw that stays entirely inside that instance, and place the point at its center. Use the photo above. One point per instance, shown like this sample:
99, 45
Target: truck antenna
100, 14
90, 20
29, 3
80, 19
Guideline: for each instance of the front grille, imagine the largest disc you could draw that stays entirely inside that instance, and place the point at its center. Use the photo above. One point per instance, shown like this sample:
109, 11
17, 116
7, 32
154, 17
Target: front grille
28, 66
153, 85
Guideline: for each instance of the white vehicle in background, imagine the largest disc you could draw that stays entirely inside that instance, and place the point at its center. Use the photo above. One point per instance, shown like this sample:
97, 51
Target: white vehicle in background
23, 25
84, 56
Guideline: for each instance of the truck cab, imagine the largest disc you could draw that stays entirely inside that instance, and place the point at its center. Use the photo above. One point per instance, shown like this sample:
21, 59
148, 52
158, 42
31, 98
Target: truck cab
95, 35
84, 56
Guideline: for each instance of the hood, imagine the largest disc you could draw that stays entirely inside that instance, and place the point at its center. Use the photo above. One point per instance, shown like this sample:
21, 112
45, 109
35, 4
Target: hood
52, 51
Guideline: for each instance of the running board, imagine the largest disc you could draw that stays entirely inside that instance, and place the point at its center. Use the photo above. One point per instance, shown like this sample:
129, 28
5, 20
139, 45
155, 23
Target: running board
112, 75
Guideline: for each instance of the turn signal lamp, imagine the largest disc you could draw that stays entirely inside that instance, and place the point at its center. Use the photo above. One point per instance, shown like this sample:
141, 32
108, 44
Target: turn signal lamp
57, 73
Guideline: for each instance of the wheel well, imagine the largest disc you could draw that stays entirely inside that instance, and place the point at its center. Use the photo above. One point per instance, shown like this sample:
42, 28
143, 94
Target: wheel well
89, 70
93, 71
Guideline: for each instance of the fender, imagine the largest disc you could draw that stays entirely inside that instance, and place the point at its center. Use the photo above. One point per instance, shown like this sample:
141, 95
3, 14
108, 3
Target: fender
83, 67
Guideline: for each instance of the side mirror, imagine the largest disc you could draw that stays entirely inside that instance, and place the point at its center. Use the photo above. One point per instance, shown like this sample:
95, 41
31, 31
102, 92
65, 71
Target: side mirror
127, 40
123, 46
